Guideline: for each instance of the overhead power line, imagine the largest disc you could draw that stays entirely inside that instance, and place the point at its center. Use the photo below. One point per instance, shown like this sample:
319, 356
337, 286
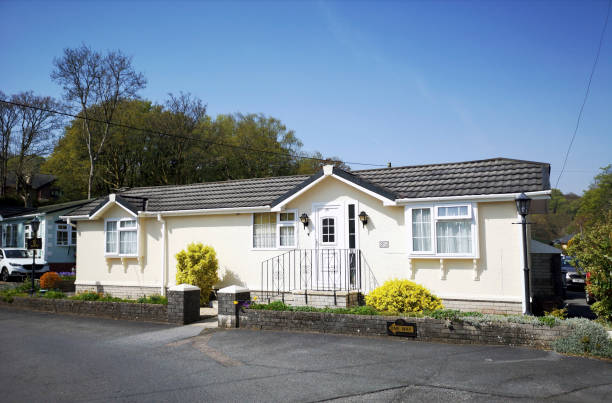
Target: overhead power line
179, 136
586, 94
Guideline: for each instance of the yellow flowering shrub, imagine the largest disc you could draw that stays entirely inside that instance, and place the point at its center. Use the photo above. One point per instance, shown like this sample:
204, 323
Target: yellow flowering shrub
403, 296
198, 266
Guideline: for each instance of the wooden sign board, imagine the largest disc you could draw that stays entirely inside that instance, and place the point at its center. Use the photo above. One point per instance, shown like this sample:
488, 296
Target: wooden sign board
401, 328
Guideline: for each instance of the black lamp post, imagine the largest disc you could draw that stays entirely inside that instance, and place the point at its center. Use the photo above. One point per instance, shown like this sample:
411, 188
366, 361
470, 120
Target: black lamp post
34, 225
522, 206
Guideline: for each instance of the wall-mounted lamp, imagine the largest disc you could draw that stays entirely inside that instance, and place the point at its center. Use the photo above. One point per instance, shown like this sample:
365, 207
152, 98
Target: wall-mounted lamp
363, 217
304, 219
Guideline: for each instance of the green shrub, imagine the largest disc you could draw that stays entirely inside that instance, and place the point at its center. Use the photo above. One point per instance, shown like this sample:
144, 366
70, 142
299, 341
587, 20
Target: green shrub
97, 296
592, 250
153, 299
54, 294
587, 337
403, 296
451, 314
198, 266
548, 320
557, 313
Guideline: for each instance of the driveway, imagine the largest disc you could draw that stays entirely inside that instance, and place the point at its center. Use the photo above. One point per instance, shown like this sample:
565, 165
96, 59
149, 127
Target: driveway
577, 306
48, 357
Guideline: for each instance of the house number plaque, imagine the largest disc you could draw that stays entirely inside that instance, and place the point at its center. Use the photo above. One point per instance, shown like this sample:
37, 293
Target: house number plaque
383, 244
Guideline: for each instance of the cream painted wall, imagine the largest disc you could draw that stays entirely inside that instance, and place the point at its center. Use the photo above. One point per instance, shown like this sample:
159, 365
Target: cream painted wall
231, 236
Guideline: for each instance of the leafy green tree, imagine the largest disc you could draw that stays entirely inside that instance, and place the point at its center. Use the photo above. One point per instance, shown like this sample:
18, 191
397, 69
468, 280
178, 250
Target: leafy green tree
592, 250
198, 265
597, 200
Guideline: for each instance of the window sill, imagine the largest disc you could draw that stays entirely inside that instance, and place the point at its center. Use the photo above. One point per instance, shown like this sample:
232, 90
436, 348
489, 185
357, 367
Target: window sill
121, 256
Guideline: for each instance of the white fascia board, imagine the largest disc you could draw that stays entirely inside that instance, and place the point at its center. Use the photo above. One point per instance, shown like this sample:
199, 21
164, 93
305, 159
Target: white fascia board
281, 205
539, 195
228, 210
109, 204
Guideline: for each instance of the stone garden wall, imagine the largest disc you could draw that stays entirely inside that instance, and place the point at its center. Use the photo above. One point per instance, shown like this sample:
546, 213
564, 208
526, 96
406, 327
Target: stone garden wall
183, 307
428, 329
110, 310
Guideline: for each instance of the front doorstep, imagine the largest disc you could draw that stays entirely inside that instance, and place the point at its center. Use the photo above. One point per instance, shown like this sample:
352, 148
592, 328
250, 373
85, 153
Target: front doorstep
427, 329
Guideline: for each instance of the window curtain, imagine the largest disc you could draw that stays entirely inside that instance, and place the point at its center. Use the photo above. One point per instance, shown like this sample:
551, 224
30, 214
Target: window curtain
127, 242
264, 230
454, 236
111, 237
421, 230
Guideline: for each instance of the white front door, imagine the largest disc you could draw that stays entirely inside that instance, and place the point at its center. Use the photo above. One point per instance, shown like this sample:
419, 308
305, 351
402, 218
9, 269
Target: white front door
330, 246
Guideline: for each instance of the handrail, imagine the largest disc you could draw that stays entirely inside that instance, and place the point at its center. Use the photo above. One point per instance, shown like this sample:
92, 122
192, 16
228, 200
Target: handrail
316, 270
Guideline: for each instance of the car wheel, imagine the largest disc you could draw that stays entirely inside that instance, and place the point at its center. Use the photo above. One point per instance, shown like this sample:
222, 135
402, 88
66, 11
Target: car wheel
4, 276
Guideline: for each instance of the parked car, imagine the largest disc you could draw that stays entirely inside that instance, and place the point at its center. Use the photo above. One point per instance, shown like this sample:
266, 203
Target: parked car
18, 263
571, 277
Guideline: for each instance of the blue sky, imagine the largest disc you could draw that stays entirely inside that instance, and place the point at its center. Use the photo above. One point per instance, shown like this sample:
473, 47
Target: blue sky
406, 82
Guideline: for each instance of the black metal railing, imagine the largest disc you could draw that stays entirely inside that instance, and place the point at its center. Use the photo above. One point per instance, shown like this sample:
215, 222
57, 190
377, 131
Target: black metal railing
317, 270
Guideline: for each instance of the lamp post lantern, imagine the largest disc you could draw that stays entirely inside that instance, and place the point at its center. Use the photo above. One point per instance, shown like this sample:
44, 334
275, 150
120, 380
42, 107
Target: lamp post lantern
34, 225
522, 206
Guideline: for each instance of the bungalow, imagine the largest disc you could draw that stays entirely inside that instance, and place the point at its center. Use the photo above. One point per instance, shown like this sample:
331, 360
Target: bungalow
58, 238
446, 226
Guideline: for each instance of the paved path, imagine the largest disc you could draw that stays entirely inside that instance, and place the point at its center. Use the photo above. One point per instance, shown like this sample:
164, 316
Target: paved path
48, 357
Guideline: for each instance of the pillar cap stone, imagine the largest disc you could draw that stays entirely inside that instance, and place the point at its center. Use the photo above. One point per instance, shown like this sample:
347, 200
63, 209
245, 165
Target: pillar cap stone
184, 287
233, 289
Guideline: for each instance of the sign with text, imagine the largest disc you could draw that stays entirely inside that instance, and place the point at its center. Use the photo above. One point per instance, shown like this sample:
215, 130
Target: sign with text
34, 243
401, 328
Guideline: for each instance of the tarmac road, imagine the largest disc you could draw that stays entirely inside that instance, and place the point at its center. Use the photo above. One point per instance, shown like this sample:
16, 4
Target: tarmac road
48, 357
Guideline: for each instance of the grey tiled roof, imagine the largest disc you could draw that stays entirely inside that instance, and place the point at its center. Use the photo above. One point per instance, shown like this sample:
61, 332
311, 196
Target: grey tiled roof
235, 193
494, 176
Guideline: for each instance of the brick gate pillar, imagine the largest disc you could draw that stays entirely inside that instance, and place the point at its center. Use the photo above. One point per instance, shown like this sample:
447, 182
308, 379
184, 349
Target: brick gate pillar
228, 311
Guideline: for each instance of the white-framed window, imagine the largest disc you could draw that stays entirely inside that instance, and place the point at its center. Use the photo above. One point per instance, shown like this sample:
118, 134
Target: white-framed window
443, 230
65, 235
62, 235
421, 230
9, 235
287, 229
121, 237
328, 230
275, 230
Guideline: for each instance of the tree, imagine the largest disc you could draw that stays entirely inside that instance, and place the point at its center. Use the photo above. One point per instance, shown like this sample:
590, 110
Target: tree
8, 121
592, 250
36, 138
559, 220
597, 200
95, 84
311, 165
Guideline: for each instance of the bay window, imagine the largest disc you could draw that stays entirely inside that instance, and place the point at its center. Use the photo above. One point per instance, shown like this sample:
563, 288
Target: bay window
121, 237
275, 230
443, 230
